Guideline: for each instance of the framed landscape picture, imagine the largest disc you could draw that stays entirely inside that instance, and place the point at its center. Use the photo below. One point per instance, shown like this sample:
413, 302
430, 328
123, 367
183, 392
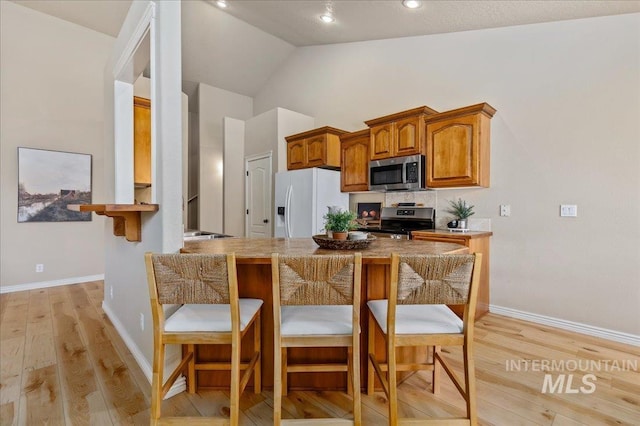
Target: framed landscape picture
48, 181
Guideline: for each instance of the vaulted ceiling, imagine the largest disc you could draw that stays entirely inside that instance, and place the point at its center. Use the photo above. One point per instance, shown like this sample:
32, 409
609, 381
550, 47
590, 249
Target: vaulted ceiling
238, 49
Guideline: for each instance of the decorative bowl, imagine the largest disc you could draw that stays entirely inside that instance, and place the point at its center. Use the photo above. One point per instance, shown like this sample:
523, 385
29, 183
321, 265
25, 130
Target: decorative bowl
357, 235
330, 244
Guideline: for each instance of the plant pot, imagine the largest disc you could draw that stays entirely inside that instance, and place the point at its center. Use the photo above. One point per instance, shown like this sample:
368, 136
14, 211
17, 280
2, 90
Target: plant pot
462, 223
340, 235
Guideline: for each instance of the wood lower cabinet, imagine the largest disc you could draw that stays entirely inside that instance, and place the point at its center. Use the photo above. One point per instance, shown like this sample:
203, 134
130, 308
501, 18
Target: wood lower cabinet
314, 148
458, 147
477, 242
141, 142
398, 134
354, 161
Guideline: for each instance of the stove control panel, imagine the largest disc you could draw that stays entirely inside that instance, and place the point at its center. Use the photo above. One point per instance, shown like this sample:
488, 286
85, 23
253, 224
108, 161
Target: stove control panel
406, 212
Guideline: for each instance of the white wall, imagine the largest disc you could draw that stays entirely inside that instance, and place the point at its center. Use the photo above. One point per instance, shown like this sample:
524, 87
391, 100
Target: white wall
267, 131
213, 105
223, 189
289, 123
48, 103
125, 271
234, 177
566, 131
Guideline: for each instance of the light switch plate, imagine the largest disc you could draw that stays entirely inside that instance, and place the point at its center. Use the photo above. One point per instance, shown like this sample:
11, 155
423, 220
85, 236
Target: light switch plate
568, 210
505, 210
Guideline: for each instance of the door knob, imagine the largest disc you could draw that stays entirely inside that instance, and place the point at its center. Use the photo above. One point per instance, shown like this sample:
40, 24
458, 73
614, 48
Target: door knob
265, 221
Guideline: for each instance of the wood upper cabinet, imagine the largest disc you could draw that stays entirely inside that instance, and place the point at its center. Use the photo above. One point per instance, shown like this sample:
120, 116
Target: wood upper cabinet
399, 134
314, 148
458, 147
381, 141
477, 242
141, 142
296, 155
355, 161
317, 151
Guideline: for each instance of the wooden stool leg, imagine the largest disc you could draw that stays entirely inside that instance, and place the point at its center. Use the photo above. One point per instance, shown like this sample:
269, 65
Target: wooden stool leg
285, 386
350, 389
157, 381
257, 347
470, 384
437, 372
371, 349
277, 385
191, 375
234, 409
355, 370
393, 382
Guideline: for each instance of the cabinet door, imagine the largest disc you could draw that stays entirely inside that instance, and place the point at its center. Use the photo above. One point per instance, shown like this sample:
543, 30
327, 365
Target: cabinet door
382, 141
355, 165
296, 155
453, 152
409, 138
141, 141
316, 147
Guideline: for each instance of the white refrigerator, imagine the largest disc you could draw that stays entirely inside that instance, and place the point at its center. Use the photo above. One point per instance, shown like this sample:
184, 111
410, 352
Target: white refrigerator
302, 198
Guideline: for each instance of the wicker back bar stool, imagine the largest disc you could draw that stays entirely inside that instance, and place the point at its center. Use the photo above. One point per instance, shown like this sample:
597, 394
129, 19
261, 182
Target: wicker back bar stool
416, 315
206, 286
316, 303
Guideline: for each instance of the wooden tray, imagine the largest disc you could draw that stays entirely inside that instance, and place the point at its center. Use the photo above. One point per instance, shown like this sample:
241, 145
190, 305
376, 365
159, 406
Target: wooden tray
330, 244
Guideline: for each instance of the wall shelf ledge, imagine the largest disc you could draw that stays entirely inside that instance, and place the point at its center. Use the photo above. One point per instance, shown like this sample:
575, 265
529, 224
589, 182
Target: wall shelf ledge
126, 217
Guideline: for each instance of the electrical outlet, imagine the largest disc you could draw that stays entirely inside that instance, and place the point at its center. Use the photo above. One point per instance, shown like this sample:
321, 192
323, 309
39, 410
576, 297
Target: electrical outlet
111, 292
505, 210
141, 321
568, 210
39, 267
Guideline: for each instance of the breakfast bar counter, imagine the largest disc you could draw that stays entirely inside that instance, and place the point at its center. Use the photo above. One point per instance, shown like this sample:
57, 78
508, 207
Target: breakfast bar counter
253, 256
258, 250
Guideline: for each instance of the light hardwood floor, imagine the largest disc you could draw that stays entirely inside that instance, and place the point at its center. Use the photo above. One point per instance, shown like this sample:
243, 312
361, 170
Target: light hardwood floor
63, 363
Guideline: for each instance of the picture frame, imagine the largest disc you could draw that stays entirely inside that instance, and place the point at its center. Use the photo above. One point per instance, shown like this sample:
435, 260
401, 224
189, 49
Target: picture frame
50, 180
369, 211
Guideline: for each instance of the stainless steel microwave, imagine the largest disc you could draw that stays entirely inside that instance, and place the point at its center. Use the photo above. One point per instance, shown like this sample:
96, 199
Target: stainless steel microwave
397, 174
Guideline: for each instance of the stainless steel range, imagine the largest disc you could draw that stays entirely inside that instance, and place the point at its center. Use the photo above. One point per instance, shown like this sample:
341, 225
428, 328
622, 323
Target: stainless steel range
398, 222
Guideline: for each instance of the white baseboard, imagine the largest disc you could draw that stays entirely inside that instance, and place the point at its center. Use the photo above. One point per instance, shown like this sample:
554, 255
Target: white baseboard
47, 284
180, 384
616, 336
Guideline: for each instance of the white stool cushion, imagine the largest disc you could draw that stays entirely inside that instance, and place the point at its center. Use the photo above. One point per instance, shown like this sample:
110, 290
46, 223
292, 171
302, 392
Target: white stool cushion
197, 317
417, 319
316, 320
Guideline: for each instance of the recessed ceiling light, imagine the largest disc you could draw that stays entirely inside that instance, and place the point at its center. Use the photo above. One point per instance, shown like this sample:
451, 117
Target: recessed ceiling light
327, 18
411, 4
222, 4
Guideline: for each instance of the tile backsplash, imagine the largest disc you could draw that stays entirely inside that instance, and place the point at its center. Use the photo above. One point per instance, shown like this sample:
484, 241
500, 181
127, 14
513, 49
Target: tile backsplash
424, 198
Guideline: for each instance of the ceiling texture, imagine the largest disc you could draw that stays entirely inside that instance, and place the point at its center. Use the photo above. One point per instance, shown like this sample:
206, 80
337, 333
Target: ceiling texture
238, 49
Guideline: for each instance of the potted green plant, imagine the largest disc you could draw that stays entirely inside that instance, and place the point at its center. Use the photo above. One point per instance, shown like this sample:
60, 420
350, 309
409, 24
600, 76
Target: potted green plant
461, 210
339, 222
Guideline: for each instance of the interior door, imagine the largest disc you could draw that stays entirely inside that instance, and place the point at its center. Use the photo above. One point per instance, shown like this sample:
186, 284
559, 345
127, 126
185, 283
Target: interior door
258, 199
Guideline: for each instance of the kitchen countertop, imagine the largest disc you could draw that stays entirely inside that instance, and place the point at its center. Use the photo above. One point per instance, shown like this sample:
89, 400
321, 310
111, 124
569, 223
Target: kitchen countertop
258, 250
